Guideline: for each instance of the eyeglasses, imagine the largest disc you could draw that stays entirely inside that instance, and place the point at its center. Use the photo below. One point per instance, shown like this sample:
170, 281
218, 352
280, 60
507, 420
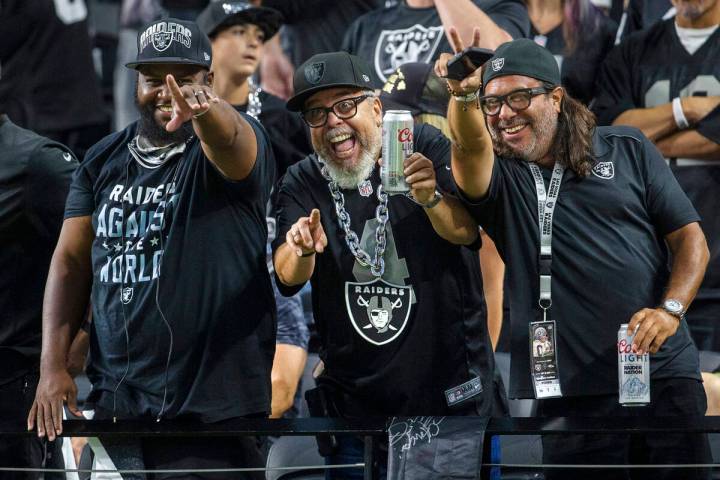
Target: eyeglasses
343, 109
517, 100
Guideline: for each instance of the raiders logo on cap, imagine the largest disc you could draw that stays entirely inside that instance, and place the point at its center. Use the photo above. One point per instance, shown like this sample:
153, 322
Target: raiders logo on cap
498, 64
314, 72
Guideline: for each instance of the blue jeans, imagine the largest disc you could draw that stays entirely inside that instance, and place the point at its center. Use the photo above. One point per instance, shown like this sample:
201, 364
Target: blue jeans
352, 450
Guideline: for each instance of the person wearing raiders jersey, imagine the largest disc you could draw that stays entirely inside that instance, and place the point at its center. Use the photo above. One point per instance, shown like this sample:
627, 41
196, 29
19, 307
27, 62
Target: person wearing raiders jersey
165, 233
582, 216
666, 82
413, 31
397, 298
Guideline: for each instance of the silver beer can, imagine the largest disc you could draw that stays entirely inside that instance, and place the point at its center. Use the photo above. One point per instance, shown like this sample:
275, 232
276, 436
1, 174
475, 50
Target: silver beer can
397, 144
633, 372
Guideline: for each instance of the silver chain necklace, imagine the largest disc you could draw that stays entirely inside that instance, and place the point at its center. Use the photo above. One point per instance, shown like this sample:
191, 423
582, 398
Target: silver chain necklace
254, 108
376, 265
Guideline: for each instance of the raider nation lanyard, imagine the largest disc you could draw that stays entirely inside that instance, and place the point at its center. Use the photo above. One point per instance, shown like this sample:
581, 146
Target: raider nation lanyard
543, 345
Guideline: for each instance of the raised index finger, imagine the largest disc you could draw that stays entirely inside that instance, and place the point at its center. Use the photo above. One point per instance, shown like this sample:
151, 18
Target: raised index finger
174, 88
455, 41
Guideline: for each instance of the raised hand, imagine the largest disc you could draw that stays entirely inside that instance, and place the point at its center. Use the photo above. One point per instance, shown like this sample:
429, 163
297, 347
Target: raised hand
472, 82
188, 101
307, 236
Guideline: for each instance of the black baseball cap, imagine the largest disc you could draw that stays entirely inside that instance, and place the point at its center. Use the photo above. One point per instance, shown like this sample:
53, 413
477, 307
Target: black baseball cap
522, 57
328, 70
219, 15
172, 41
415, 87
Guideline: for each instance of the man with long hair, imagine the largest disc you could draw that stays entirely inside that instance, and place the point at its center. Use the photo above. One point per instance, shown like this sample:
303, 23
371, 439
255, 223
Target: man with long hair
582, 216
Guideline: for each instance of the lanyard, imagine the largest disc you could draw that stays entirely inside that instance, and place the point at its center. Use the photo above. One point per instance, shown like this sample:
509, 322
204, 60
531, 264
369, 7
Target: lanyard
546, 209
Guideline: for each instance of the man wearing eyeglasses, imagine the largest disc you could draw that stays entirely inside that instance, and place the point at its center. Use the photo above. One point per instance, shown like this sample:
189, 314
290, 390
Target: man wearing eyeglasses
582, 216
396, 290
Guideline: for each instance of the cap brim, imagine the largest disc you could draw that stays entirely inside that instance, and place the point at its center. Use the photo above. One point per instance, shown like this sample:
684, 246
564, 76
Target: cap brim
295, 104
166, 61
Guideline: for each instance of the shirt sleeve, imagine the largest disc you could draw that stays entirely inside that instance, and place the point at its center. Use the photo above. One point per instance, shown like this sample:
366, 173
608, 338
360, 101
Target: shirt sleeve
709, 127
436, 147
668, 206
614, 85
50, 174
292, 327
511, 16
81, 198
485, 210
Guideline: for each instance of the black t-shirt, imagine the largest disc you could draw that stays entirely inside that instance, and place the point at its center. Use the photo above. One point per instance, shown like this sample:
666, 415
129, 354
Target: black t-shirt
286, 131
609, 259
579, 70
213, 300
35, 175
48, 78
641, 14
435, 337
394, 36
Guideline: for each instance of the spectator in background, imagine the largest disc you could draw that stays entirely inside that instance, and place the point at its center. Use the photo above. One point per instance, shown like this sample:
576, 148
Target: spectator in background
238, 32
579, 36
642, 14
49, 79
35, 175
666, 81
415, 87
414, 30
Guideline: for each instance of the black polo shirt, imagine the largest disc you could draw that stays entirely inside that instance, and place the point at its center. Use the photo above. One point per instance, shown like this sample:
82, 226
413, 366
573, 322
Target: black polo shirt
609, 259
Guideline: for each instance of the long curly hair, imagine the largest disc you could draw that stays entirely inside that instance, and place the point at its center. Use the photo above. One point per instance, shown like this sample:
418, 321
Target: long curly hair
573, 145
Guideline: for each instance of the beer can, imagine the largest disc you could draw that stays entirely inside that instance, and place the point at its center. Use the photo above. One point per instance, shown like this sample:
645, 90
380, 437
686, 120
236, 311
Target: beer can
633, 372
397, 144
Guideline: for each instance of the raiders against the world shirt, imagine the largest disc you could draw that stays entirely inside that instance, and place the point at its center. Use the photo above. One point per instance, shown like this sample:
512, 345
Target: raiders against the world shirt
391, 37
395, 346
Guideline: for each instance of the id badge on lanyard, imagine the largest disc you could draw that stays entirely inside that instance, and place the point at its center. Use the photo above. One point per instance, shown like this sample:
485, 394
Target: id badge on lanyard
542, 337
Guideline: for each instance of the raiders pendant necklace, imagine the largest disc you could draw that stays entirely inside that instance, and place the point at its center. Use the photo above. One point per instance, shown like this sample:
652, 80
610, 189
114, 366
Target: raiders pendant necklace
254, 104
376, 265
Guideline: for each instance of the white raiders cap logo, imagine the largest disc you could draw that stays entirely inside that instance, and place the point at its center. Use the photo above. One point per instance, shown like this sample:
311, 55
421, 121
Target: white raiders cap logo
604, 170
413, 44
379, 311
497, 64
162, 34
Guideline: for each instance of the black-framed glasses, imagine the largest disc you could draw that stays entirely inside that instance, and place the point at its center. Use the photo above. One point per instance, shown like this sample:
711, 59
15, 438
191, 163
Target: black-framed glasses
343, 109
517, 100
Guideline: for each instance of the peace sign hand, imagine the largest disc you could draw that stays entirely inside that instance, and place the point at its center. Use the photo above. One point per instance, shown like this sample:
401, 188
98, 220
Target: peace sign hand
189, 101
473, 82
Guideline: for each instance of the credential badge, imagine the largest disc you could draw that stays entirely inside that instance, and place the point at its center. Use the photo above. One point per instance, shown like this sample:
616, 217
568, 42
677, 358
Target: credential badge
379, 311
498, 64
314, 72
604, 170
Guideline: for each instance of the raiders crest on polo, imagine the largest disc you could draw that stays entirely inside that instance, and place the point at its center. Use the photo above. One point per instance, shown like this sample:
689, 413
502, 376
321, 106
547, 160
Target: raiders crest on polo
379, 311
604, 170
161, 35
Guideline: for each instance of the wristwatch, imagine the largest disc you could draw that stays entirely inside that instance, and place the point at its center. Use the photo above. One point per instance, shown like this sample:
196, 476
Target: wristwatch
433, 201
674, 308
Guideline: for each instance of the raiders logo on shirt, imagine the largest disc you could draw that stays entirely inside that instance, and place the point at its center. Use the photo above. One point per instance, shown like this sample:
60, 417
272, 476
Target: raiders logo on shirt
397, 47
604, 170
378, 310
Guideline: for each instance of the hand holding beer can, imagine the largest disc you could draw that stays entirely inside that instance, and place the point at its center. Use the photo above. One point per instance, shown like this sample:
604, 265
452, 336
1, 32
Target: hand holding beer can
633, 372
397, 145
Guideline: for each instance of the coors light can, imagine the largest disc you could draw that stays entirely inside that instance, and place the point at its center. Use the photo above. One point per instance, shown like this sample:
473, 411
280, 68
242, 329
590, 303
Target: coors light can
397, 144
633, 372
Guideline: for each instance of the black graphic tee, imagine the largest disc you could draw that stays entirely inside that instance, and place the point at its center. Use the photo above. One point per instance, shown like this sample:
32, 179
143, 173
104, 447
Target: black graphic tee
35, 175
579, 69
286, 131
394, 36
179, 266
393, 346
609, 259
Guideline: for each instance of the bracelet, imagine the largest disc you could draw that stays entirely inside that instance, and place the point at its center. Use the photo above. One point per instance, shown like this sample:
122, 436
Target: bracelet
201, 113
680, 119
470, 97
437, 196
308, 254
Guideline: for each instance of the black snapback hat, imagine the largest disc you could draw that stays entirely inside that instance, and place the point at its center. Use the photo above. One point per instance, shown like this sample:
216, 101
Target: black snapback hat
415, 87
172, 41
522, 57
328, 70
219, 14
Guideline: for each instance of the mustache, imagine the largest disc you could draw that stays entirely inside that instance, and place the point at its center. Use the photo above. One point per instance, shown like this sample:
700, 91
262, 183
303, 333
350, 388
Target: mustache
338, 131
515, 122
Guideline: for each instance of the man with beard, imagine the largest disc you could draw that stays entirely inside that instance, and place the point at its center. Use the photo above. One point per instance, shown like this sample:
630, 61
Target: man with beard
165, 233
396, 291
582, 215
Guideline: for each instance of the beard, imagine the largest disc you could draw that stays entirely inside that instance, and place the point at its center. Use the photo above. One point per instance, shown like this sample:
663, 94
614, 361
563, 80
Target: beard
156, 134
691, 10
351, 177
544, 127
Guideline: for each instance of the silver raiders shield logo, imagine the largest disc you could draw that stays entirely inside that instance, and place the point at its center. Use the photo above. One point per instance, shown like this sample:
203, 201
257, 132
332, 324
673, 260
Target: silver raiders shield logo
398, 47
604, 170
379, 311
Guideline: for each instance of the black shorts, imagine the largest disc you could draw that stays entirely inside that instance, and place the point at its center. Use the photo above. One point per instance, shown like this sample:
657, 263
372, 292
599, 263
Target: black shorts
669, 397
